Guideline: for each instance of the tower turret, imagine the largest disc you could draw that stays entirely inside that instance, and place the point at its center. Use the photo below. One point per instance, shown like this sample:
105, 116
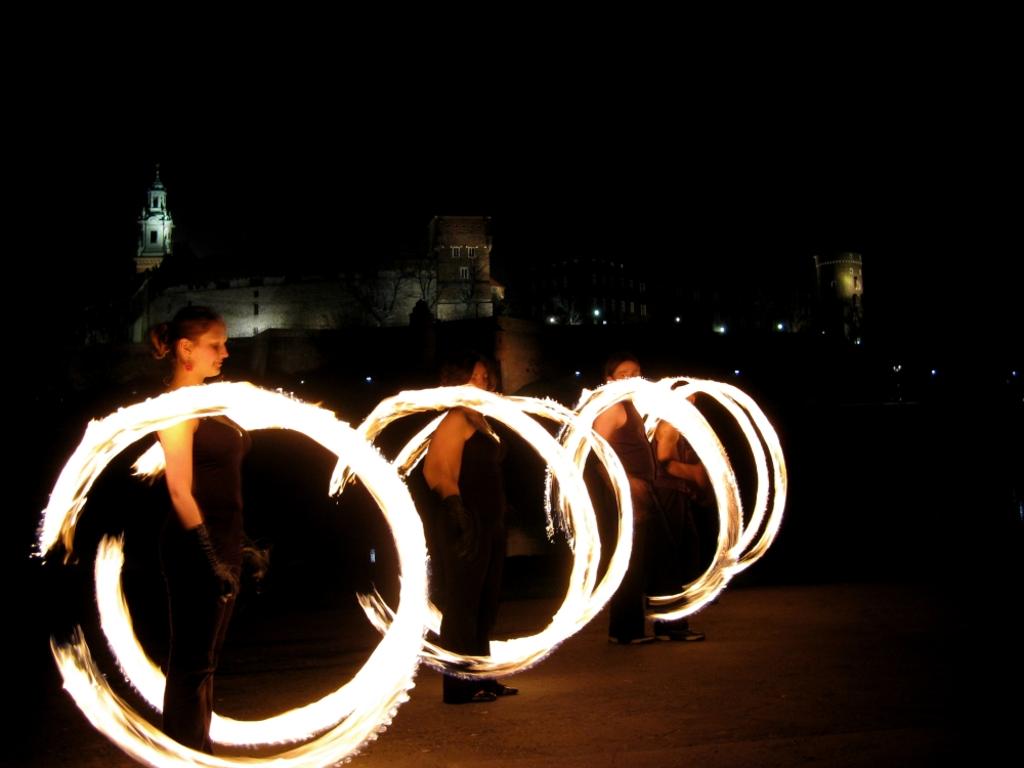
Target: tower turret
155, 228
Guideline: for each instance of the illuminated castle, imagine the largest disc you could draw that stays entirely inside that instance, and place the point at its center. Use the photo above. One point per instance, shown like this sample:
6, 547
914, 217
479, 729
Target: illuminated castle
452, 281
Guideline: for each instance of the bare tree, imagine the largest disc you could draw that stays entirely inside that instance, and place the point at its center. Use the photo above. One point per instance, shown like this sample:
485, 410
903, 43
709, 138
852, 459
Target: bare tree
566, 309
424, 272
377, 293
469, 288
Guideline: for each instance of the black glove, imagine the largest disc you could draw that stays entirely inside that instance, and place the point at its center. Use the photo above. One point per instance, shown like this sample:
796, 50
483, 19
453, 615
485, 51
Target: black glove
464, 525
226, 578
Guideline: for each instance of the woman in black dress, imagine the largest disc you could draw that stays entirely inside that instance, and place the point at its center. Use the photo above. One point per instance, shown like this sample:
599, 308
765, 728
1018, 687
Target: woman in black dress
201, 543
623, 427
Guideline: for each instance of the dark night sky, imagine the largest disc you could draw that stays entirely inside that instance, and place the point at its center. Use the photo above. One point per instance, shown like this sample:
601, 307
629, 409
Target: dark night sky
912, 177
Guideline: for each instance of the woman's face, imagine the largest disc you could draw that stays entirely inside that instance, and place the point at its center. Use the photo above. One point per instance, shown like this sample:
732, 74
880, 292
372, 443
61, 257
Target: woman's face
207, 353
480, 378
627, 369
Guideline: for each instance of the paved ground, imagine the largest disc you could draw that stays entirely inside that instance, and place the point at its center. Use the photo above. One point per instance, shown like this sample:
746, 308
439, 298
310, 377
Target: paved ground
834, 675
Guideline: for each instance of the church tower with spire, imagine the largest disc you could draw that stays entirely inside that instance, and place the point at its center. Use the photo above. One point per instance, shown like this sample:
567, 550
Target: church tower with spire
155, 228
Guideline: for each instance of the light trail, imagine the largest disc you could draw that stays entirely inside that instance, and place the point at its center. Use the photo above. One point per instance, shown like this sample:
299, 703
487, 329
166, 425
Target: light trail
344, 719
581, 601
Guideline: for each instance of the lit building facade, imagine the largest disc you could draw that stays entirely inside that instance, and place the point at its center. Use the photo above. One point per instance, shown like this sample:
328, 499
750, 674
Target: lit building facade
841, 294
156, 228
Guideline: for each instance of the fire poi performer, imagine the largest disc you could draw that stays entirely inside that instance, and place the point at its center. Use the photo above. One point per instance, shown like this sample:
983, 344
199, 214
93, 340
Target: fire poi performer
660, 558
201, 541
680, 481
462, 468
622, 426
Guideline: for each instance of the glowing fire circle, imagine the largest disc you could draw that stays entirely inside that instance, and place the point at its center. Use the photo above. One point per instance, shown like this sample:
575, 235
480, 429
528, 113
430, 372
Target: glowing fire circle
344, 719
583, 598
736, 548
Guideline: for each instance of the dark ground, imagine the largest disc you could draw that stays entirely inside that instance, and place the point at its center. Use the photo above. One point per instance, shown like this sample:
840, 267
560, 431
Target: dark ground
841, 674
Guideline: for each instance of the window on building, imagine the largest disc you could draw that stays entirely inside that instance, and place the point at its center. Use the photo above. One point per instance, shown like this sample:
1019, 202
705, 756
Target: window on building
856, 282
156, 202
631, 308
152, 236
255, 309
471, 251
255, 294
643, 287
643, 310
464, 273
456, 251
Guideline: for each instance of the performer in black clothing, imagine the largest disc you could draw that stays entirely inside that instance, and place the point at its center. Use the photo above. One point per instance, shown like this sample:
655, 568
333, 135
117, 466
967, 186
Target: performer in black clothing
662, 557
622, 426
201, 544
680, 481
462, 468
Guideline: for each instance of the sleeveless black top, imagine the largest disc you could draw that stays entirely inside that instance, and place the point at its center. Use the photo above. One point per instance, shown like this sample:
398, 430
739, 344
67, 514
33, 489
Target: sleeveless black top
218, 447
630, 443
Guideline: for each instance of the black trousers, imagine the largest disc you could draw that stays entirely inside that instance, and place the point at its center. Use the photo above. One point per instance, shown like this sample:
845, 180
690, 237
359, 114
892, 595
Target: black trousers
675, 552
626, 609
469, 595
627, 606
199, 621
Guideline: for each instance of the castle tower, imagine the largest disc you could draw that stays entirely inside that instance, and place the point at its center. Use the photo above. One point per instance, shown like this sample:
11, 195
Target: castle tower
461, 246
841, 294
155, 228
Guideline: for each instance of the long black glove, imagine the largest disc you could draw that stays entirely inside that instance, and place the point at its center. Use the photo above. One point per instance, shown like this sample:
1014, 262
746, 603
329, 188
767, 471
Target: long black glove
464, 526
226, 578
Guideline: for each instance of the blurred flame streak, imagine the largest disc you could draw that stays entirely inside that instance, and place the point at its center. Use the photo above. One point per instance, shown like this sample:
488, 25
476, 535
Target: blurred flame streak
258, 409
582, 600
346, 718
736, 549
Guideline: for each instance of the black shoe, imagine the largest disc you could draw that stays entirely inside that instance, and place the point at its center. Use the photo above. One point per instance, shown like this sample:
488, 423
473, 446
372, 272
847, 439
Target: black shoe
664, 630
641, 640
500, 689
479, 697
